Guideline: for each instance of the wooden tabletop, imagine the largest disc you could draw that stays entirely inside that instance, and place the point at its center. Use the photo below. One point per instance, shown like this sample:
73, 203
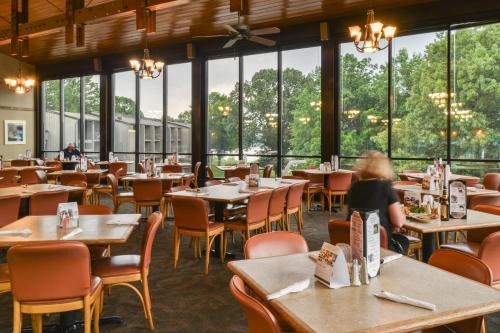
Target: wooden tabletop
32, 167
471, 191
28, 191
89, 171
475, 220
107, 162
182, 164
231, 167
355, 309
421, 175
94, 229
324, 172
230, 192
163, 176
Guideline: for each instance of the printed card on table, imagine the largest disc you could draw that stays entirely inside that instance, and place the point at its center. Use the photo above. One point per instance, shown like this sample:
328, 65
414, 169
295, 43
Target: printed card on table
411, 199
331, 267
458, 200
365, 239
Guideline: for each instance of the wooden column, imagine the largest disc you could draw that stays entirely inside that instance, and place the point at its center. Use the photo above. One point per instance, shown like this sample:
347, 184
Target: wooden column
105, 116
328, 107
199, 114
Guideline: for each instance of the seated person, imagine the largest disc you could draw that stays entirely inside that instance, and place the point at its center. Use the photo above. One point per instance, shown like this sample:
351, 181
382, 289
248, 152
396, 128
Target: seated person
69, 152
374, 191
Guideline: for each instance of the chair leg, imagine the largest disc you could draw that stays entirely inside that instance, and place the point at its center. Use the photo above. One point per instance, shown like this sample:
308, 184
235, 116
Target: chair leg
18, 318
36, 323
330, 203
222, 252
87, 314
207, 253
96, 314
147, 302
177, 244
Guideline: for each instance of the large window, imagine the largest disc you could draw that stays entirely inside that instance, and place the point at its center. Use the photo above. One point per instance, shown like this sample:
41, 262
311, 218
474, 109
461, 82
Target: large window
223, 113
425, 95
363, 109
73, 119
179, 111
301, 117
162, 122
297, 117
475, 97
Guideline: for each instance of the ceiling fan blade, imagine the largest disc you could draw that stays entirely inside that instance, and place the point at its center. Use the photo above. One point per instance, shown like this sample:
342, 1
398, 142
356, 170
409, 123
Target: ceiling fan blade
230, 43
263, 41
209, 36
231, 29
265, 31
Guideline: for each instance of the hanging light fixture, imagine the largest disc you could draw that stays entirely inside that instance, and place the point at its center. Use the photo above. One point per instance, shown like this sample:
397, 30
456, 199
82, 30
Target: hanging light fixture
147, 68
373, 33
20, 85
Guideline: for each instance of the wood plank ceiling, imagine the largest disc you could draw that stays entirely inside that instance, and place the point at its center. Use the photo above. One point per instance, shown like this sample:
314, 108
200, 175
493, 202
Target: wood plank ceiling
174, 25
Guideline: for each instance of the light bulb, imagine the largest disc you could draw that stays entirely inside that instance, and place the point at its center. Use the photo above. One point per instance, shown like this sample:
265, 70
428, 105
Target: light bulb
389, 32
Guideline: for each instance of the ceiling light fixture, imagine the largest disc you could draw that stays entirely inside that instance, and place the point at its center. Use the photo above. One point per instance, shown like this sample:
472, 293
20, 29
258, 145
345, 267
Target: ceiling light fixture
373, 33
147, 68
20, 85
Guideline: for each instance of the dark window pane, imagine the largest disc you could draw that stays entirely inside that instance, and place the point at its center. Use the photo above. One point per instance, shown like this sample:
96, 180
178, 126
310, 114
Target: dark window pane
51, 115
124, 109
72, 111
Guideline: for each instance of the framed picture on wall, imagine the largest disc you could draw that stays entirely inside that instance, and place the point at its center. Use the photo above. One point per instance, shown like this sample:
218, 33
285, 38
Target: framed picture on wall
15, 132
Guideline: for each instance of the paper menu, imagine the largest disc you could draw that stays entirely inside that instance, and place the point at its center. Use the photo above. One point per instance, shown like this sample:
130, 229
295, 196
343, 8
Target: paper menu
331, 267
411, 199
365, 239
458, 199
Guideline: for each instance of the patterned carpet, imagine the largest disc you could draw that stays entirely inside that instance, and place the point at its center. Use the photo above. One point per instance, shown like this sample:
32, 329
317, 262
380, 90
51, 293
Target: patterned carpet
185, 300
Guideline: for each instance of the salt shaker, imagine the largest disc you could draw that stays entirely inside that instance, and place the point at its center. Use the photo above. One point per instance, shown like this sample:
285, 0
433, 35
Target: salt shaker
365, 279
355, 273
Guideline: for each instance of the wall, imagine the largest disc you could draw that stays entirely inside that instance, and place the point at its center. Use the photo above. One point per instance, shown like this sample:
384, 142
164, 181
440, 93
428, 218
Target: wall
15, 107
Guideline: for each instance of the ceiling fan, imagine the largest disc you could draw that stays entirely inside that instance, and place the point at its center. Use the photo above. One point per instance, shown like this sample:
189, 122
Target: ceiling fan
243, 32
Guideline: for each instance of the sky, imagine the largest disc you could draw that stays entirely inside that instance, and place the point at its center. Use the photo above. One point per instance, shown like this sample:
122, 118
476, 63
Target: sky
223, 73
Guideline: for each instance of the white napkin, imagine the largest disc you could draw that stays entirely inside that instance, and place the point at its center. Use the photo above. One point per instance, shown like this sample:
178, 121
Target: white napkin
18, 232
294, 288
71, 234
118, 222
405, 300
388, 259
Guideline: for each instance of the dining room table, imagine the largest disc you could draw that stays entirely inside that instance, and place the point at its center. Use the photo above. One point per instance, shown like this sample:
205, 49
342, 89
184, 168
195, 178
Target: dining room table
21, 168
471, 191
94, 230
219, 196
421, 175
162, 176
26, 191
355, 309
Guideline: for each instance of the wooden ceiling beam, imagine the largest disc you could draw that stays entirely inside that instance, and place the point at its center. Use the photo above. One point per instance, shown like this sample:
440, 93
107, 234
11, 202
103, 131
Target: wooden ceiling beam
82, 16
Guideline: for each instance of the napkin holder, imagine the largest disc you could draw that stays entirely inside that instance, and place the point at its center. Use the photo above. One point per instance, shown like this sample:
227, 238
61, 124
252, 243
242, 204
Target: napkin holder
365, 239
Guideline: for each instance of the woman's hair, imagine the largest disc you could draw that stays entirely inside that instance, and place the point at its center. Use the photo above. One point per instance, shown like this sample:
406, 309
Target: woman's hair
374, 164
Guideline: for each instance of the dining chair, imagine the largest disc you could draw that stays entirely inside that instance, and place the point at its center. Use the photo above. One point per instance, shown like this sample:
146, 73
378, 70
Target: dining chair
20, 163
274, 244
294, 206
240, 172
338, 185
210, 173
277, 208
259, 318
470, 267
191, 219
96, 251
46, 202
313, 187
149, 193
4, 278
268, 170
119, 170
9, 206
34, 271
470, 181
491, 181
122, 270
33, 176
492, 199
172, 168
118, 198
404, 183
140, 168
77, 179
406, 178
196, 171
187, 180
255, 217
340, 232
93, 181
8, 176
54, 166
483, 244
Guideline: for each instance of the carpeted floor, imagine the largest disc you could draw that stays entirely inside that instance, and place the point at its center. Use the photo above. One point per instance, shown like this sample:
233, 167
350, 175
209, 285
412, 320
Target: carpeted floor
185, 300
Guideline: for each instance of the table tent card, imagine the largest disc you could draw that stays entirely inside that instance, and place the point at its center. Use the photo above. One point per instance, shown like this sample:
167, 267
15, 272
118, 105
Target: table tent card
149, 167
458, 199
365, 239
83, 164
331, 267
411, 199
68, 214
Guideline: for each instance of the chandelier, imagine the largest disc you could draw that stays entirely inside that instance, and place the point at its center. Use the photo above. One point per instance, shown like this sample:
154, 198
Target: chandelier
20, 85
352, 113
225, 110
372, 35
146, 68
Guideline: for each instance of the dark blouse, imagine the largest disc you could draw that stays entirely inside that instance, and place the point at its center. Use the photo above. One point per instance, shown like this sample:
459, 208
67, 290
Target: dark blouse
373, 194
